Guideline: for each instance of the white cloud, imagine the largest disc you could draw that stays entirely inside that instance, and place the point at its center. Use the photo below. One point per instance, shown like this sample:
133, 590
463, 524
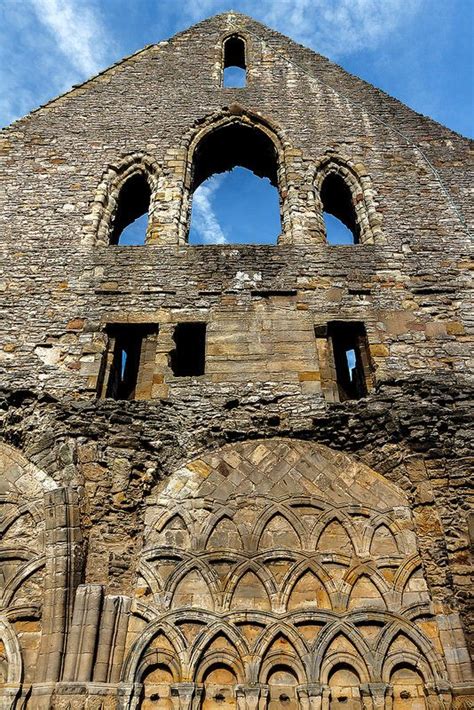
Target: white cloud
77, 30
205, 221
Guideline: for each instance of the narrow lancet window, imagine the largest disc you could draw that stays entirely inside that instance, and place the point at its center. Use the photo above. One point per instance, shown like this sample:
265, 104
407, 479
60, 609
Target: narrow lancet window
234, 74
338, 211
131, 217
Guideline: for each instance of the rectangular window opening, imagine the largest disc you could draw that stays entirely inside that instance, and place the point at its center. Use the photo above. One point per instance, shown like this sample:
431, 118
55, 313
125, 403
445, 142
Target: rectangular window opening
131, 352
344, 360
189, 355
350, 351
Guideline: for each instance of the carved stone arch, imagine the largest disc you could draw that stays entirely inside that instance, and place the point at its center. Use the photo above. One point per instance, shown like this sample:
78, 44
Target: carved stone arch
236, 575
357, 179
354, 574
159, 657
188, 529
394, 527
295, 574
99, 223
406, 658
335, 516
237, 115
426, 649
13, 653
405, 571
23, 478
24, 572
276, 659
213, 522
204, 639
173, 635
343, 658
221, 657
182, 571
151, 578
327, 636
280, 628
31, 509
273, 511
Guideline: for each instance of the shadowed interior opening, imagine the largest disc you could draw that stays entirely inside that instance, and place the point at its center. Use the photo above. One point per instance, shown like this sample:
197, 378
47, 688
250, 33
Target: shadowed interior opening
236, 144
349, 344
126, 342
188, 357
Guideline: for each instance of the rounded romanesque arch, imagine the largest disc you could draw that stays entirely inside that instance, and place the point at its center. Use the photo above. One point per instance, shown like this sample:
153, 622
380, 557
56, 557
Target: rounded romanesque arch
301, 587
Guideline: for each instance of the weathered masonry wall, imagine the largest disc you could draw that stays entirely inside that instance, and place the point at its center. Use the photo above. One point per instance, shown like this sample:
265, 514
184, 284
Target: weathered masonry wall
241, 537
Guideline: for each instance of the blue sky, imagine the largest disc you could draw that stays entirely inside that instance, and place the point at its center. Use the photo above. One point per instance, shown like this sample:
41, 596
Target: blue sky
420, 51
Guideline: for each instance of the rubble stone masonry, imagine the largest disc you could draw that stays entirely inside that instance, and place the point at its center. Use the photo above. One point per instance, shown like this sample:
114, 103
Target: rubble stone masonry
254, 535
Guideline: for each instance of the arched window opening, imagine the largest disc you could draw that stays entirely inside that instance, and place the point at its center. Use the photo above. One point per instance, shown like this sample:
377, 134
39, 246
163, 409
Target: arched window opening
235, 188
408, 688
156, 691
344, 684
234, 73
219, 688
338, 211
282, 682
131, 217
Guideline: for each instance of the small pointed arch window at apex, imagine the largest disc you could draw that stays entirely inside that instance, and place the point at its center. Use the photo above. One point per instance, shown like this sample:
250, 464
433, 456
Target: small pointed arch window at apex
130, 221
234, 62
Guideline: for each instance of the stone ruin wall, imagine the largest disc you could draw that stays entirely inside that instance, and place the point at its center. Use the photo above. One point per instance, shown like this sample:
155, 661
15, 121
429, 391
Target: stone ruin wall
238, 539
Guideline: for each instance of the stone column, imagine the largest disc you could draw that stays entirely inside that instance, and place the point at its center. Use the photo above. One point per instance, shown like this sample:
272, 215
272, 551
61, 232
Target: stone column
247, 697
310, 696
263, 700
8, 695
128, 695
83, 633
111, 644
326, 697
182, 695
63, 545
198, 696
438, 696
374, 695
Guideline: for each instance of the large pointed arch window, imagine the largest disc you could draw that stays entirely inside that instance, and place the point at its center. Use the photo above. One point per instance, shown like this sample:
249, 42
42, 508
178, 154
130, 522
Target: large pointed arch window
234, 187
